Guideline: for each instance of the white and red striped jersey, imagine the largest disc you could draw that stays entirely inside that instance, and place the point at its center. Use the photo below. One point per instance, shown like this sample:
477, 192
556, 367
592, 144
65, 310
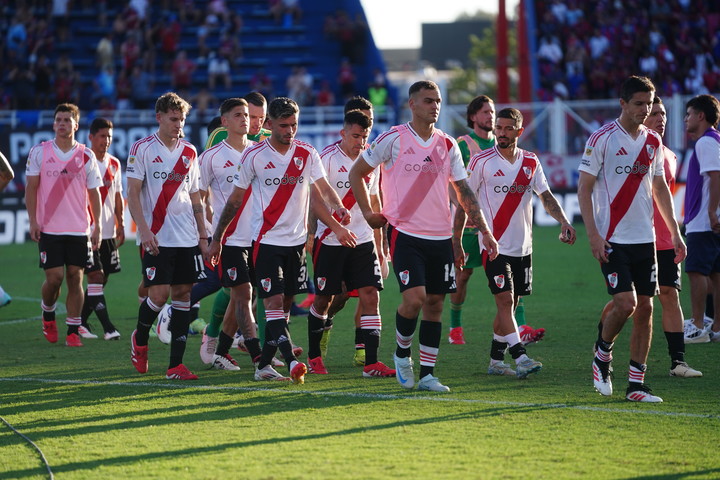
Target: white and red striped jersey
504, 192
415, 179
281, 190
337, 165
624, 169
218, 166
111, 175
169, 177
663, 238
65, 177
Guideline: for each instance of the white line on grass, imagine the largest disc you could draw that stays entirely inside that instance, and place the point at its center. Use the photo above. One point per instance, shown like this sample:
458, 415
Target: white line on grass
375, 396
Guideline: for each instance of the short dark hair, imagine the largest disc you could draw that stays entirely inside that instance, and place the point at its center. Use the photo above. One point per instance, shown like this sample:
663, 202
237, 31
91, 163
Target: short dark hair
512, 114
422, 85
282, 107
708, 105
171, 101
256, 98
475, 106
635, 84
231, 103
98, 124
214, 124
68, 107
357, 117
657, 100
358, 103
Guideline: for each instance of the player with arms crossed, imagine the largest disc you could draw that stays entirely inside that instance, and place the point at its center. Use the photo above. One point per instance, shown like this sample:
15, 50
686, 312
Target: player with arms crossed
335, 264
418, 162
503, 178
62, 178
281, 172
106, 259
164, 201
621, 172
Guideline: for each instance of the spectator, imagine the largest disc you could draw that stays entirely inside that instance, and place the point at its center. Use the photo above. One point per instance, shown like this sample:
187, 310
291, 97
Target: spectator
104, 52
599, 44
346, 80
61, 18
130, 50
141, 87
299, 86
104, 87
42, 74
16, 39
218, 69
325, 96
124, 91
182, 71
20, 81
262, 83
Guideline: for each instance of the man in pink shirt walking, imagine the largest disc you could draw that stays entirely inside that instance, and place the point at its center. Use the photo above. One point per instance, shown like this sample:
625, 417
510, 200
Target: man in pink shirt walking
62, 176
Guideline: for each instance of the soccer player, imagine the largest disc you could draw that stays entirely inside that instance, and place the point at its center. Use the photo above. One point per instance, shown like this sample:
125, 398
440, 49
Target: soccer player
106, 259
668, 272
702, 209
418, 162
6, 176
621, 171
281, 172
335, 264
257, 105
338, 301
504, 178
62, 178
218, 166
480, 116
164, 200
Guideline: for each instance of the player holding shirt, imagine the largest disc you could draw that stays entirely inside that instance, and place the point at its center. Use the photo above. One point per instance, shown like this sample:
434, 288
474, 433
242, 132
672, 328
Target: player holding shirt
504, 178
418, 162
335, 264
106, 259
164, 201
62, 176
621, 172
281, 172
218, 166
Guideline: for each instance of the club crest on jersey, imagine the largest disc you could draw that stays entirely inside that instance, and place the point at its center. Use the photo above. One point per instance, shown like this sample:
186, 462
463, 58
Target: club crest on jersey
405, 277
266, 284
321, 282
43, 257
613, 279
528, 171
499, 281
298, 162
186, 160
650, 150
131, 159
150, 273
232, 273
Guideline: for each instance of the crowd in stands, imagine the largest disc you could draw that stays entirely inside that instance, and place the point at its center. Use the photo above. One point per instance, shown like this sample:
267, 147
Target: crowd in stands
585, 48
144, 48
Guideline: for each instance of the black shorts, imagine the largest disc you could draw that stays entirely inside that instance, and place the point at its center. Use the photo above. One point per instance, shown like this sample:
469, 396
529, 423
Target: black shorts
106, 258
234, 267
279, 270
703, 253
631, 267
422, 262
358, 267
509, 274
668, 270
61, 250
173, 266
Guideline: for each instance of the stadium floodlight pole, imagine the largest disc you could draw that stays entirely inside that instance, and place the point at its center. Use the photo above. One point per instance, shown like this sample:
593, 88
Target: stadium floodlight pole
503, 80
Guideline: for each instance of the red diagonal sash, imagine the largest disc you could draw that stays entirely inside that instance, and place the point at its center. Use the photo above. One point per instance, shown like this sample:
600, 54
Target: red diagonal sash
279, 201
170, 186
233, 223
513, 199
107, 180
625, 196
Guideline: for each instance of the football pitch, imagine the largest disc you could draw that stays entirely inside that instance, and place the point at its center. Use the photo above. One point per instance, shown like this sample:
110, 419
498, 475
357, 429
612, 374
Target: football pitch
93, 416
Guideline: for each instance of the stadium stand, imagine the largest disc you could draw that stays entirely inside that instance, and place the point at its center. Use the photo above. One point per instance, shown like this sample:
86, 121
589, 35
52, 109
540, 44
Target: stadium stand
585, 48
105, 55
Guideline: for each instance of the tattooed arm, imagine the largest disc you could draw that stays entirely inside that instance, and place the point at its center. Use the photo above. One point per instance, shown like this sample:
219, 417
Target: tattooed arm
232, 206
552, 207
470, 206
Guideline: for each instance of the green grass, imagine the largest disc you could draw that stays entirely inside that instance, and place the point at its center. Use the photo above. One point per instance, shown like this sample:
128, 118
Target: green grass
93, 416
